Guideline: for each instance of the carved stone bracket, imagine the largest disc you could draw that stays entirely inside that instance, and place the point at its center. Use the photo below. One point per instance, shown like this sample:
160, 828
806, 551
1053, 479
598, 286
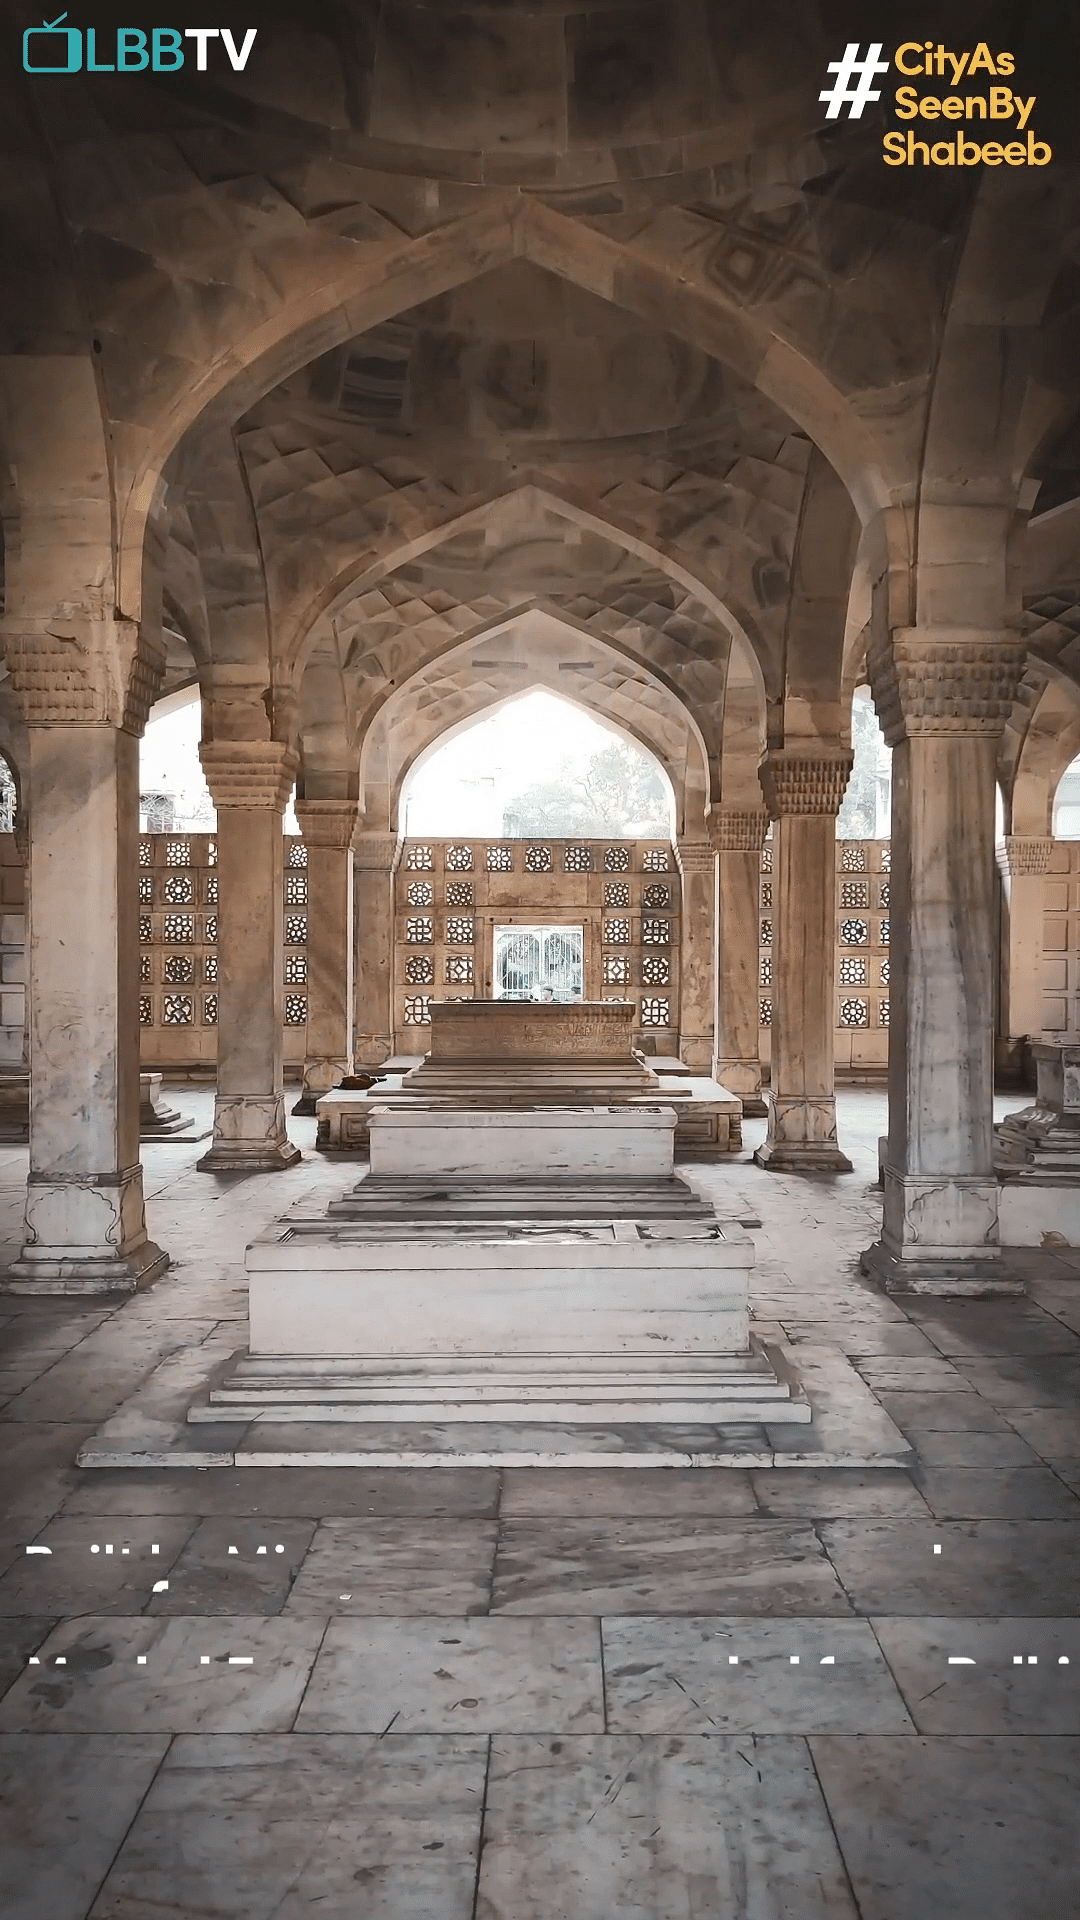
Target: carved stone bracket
249, 773
695, 856
1025, 855
83, 665
327, 823
943, 680
376, 852
738, 829
802, 780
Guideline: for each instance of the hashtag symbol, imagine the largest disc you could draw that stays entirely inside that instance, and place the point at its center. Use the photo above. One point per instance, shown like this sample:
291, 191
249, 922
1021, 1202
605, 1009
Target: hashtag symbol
845, 71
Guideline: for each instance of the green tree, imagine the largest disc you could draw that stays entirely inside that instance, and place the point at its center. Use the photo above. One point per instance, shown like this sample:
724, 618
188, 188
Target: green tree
619, 792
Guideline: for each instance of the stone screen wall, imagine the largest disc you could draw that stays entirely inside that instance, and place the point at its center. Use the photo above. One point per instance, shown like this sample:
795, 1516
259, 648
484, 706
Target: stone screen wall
12, 950
862, 954
1061, 939
450, 895
178, 961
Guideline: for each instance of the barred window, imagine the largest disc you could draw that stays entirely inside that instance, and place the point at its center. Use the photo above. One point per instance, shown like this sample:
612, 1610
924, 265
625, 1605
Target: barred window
656, 1013
617, 860
853, 970
209, 1009
655, 970
616, 970
419, 930
179, 969
459, 893
854, 893
577, 860
459, 970
657, 860
177, 1010
296, 889
296, 855
295, 969
653, 897
855, 933
295, 929
616, 933
418, 1010
538, 860
854, 1013
178, 853
617, 894
146, 888
853, 860
179, 929
459, 859
459, 931
656, 933
295, 1009
420, 970
146, 1010
500, 860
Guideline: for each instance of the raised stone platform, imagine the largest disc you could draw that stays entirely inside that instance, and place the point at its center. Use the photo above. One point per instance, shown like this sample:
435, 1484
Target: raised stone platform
1037, 1154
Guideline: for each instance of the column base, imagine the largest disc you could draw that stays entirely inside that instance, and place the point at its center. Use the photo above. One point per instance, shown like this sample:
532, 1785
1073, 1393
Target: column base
969, 1274
320, 1076
62, 1271
744, 1078
802, 1156
802, 1136
249, 1136
156, 1120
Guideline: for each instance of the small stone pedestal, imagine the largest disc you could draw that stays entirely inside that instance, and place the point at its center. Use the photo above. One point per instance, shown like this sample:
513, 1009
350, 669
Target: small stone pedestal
156, 1120
1037, 1153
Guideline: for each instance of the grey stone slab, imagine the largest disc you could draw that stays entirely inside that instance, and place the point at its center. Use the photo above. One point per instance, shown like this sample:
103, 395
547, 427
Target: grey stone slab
1004, 1566
437, 1676
19, 1638
995, 1695
1060, 1297
965, 1412
399, 1566
631, 1490
1054, 1432
313, 1492
989, 1493
37, 1465
887, 1374
254, 1579
65, 1805
195, 1677
971, 1449
672, 1825
979, 1827
663, 1566
824, 1492
1035, 1380
343, 1826
860, 1339
992, 1328
74, 1578
748, 1676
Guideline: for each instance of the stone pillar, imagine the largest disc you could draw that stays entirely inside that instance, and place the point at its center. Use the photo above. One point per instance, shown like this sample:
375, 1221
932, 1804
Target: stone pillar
803, 787
1024, 863
250, 782
375, 857
328, 827
696, 861
738, 834
84, 681
943, 698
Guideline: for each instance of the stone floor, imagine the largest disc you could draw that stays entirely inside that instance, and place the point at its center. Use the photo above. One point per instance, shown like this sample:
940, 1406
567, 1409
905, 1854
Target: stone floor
731, 1695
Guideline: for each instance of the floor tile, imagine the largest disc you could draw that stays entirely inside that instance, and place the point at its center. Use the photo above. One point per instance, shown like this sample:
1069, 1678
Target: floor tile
208, 1579
65, 1805
396, 1567
671, 1825
439, 1676
662, 1566
943, 1412
995, 1695
339, 1826
887, 1374
19, 1638
1033, 1380
985, 1327
624, 1490
1054, 1432
102, 1688
861, 1339
677, 1676
302, 1492
1005, 1566
37, 1464
833, 1492
74, 1578
989, 1493
971, 1449
967, 1827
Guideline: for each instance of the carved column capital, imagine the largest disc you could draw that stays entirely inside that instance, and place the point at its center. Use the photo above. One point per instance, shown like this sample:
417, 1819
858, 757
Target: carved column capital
943, 680
695, 856
376, 852
805, 779
84, 664
327, 823
249, 773
738, 829
1025, 855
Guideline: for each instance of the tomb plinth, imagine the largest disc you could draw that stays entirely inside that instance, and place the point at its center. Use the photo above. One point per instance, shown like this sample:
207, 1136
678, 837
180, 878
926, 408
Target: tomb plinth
1037, 1153
497, 1054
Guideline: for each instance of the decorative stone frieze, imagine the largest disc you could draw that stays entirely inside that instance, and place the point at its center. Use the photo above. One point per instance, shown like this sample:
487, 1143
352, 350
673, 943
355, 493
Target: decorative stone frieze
84, 665
1025, 855
800, 780
738, 829
249, 773
327, 824
943, 680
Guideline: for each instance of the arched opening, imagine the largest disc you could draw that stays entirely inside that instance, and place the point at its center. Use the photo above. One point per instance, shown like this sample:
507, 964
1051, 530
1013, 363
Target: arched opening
867, 807
539, 766
9, 798
1066, 815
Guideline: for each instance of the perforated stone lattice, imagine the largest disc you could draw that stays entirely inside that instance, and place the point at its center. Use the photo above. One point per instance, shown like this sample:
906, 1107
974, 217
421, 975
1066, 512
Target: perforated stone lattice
883, 894
210, 927
295, 1009
295, 969
616, 933
459, 931
146, 971
418, 1010
209, 1010
210, 890
209, 968
577, 860
656, 933
854, 893
653, 897
146, 1010
296, 889
766, 859
656, 860
178, 853
420, 893
617, 860
766, 893
883, 933
853, 860
459, 860
765, 938
655, 1013
855, 933
616, 970
459, 893
419, 929
296, 929
655, 970
852, 970
179, 928
883, 972
886, 859
420, 860
146, 853
500, 860
296, 855
538, 860
146, 928
420, 970
179, 969
854, 1013
617, 894
146, 888
883, 1013
765, 976
177, 1010
459, 970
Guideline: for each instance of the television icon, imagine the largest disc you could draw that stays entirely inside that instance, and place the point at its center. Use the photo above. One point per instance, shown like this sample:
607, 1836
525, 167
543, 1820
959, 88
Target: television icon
53, 48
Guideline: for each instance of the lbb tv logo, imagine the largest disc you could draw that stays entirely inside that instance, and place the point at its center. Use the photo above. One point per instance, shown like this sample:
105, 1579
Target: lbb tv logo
54, 48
